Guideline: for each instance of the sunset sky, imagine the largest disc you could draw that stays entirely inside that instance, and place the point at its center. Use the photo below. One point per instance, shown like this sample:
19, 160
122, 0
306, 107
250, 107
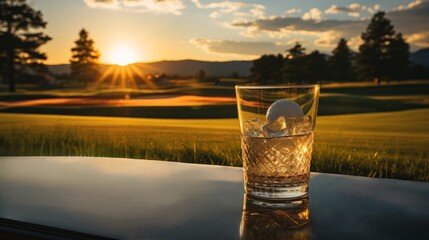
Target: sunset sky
151, 30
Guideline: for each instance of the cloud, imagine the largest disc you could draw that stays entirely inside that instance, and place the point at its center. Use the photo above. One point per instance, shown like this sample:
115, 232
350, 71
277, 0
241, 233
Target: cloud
353, 9
102, 3
155, 6
235, 9
354, 14
331, 39
415, 3
289, 24
412, 20
420, 39
313, 14
293, 11
332, 10
355, 42
376, 7
327, 39
245, 49
327, 32
408, 6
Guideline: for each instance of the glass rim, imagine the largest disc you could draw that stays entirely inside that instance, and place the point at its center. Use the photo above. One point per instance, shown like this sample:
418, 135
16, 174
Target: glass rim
276, 86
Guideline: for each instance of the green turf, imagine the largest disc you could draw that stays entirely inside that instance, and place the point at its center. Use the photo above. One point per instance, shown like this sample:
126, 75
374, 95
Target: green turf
335, 104
392, 144
329, 104
209, 111
334, 100
394, 89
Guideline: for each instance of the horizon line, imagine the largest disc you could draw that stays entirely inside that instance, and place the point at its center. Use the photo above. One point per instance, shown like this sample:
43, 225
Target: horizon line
199, 60
156, 61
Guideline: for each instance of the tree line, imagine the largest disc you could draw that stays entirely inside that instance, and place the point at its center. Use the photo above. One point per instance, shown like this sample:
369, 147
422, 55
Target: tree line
21, 36
383, 55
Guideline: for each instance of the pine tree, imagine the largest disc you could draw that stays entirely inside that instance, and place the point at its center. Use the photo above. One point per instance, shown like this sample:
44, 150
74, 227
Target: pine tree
295, 66
317, 67
84, 61
397, 55
267, 69
20, 40
340, 63
201, 75
375, 57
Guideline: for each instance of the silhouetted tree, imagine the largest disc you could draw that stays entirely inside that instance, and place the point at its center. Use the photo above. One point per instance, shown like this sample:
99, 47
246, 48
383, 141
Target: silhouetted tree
19, 39
397, 55
295, 67
376, 55
84, 61
417, 71
201, 75
267, 69
317, 67
340, 63
235, 75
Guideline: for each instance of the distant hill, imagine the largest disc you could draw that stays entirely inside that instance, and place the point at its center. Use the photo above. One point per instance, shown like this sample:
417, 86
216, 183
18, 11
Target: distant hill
192, 67
59, 68
421, 57
182, 67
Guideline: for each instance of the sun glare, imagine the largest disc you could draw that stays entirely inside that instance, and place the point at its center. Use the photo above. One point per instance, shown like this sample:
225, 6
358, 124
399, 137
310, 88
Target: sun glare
122, 55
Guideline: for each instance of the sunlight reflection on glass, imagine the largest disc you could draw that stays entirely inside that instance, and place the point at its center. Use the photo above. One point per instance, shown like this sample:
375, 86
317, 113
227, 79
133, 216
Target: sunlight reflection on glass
259, 221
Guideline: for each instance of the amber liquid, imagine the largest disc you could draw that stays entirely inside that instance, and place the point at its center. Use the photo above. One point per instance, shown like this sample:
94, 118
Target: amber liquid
277, 167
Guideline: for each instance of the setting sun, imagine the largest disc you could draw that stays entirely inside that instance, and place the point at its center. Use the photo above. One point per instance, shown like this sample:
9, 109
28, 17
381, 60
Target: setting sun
122, 55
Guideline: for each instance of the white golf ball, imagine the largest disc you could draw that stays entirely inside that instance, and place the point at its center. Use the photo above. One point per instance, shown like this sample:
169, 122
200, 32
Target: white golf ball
285, 108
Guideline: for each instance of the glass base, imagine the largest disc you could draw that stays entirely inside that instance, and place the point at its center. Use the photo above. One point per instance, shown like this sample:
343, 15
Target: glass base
281, 221
275, 193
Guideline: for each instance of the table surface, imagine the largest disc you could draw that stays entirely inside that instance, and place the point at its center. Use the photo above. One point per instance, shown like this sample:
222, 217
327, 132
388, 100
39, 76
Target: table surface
143, 199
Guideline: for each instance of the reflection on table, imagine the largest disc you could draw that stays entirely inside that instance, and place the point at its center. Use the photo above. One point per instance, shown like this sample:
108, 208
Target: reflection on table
272, 222
142, 199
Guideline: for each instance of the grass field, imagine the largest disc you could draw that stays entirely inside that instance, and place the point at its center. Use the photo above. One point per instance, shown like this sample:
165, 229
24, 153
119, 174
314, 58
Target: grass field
335, 99
391, 144
363, 129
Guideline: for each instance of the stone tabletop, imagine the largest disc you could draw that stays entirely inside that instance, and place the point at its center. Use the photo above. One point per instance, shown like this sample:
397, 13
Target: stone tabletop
143, 199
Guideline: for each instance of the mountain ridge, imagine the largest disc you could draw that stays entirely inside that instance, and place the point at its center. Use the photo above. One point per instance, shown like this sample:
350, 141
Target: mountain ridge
420, 57
186, 67
191, 67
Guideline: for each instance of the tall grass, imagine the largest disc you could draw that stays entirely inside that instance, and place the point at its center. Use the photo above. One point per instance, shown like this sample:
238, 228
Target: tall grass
370, 159
344, 149
59, 140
